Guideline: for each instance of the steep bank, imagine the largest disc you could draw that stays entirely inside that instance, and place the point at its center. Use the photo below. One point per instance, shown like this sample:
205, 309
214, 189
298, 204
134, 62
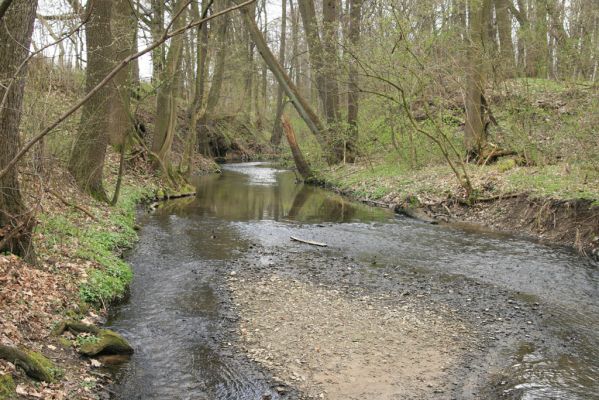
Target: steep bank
556, 204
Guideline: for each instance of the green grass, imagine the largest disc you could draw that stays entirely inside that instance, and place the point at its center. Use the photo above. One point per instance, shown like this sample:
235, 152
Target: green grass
101, 242
557, 181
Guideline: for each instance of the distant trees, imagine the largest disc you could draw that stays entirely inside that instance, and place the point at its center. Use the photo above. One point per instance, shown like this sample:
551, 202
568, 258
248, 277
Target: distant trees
428, 66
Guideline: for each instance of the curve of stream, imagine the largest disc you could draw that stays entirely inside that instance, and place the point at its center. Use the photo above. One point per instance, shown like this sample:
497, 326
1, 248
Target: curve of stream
528, 313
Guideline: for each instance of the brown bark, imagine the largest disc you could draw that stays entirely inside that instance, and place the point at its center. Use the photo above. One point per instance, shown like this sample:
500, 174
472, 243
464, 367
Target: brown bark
277, 133
166, 112
300, 162
87, 159
199, 83
506, 46
123, 29
355, 17
474, 129
15, 222
301, 105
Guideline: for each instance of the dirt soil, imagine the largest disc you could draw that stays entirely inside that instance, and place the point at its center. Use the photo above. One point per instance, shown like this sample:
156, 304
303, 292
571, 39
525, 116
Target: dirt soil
332, 328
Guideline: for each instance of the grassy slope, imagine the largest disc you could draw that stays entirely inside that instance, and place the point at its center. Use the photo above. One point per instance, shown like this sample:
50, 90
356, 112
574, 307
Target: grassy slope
552, 126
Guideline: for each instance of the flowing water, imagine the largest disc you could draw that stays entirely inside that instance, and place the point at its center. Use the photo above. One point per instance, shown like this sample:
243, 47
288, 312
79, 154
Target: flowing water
178, 315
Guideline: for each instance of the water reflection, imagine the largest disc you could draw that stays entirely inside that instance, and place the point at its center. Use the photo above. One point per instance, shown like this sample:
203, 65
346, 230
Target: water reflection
254, 192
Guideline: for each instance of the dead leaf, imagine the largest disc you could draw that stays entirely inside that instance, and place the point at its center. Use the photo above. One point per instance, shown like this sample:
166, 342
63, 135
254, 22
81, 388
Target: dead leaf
95, 363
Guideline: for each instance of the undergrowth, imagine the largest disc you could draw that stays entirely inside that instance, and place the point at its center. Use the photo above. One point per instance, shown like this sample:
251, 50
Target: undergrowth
101, 242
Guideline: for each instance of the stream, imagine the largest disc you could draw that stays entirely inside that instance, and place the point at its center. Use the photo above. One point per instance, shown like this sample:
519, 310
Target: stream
533, 309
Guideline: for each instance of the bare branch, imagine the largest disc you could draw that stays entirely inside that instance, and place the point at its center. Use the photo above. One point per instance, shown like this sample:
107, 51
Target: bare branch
109, 77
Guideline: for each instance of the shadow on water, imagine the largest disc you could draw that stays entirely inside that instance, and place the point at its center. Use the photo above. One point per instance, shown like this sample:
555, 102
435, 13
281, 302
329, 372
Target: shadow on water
179, 318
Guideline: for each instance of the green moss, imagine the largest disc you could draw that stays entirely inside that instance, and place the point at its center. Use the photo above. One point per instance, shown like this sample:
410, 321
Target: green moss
108, 342
47, 371
506, 165
7, 388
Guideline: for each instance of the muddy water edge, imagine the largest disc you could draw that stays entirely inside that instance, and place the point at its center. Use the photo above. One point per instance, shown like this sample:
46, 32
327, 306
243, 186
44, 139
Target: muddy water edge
225, 306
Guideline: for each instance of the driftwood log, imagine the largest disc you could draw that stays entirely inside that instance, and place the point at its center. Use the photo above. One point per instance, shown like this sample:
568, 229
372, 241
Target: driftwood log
310, 242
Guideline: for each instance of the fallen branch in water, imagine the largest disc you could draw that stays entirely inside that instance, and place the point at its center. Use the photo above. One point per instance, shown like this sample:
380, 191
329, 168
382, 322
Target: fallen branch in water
308, 242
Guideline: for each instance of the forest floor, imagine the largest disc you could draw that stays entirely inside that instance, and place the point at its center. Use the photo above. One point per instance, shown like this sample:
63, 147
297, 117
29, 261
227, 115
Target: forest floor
558, 204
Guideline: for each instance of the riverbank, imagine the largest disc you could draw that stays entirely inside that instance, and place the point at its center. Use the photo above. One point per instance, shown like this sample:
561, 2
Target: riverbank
79, 272
556, 204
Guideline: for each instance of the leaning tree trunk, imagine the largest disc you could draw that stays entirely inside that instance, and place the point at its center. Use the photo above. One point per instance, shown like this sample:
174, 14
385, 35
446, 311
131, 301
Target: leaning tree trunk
300, 162
87, 159
277, 132
16, 223
301, 105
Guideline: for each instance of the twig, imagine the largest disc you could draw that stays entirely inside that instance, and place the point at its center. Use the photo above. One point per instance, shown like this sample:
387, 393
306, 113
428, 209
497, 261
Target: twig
69, 204
308, 241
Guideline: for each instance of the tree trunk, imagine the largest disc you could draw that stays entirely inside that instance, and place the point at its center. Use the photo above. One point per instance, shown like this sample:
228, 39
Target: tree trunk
295, 63
166, 112
506, 46
220, 26
87, 160
300, 104
15, 222
300, 162
277, 133
156, 30
330, 38
219, 66
124, 27
323, 60
474, 129
355, 17
199, 83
